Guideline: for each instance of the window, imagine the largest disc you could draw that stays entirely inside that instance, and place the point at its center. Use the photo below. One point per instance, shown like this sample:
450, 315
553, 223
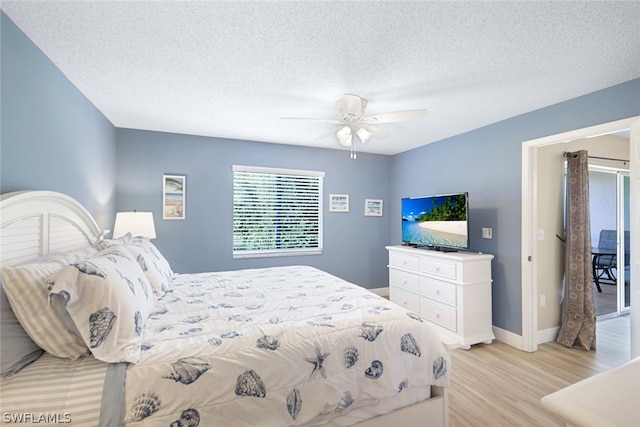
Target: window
276, 212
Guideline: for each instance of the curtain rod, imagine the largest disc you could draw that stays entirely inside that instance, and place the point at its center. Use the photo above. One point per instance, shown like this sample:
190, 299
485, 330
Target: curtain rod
608, 158
566, 153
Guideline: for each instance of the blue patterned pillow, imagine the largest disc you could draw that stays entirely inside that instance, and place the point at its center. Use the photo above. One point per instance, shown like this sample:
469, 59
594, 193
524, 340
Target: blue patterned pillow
154, 265
161, 261
108, 298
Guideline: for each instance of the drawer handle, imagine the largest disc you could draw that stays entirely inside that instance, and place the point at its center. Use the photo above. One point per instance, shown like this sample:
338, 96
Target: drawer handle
405, 282
405, 302
437, 291
437, 314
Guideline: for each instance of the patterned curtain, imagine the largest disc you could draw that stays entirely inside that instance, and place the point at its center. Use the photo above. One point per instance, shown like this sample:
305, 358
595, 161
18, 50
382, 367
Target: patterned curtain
578, 306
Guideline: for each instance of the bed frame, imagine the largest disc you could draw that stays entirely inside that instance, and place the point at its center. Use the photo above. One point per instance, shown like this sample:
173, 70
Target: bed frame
35, 223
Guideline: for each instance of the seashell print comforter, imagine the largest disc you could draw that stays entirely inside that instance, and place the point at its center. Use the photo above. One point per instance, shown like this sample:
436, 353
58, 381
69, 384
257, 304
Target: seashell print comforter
275, 347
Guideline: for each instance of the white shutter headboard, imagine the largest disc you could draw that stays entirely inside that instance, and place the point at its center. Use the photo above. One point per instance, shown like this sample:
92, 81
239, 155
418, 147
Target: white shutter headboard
35, 223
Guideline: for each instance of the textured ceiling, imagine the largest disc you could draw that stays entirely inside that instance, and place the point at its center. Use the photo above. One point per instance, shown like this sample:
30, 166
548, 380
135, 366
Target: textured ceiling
232, 69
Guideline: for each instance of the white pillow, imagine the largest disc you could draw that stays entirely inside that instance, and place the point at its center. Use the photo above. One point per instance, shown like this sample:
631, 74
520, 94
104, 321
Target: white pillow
108, 298
159, 261
158, 277
154, 265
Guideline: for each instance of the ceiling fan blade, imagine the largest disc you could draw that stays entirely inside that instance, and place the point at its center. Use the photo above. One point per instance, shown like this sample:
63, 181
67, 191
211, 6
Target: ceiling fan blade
333, 121
332, 132
376, 132
397, 116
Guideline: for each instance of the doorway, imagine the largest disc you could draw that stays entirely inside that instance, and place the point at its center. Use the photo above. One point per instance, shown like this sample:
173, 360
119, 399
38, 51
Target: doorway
609, 195
531, 336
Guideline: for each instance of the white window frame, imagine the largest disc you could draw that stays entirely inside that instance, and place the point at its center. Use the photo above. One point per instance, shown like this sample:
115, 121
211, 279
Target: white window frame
275, 252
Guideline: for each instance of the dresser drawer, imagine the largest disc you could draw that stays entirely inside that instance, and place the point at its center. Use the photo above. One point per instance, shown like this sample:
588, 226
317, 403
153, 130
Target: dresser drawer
452, 291
438, 313
443, 292
439, 268
404, 260
404, 280
405, 299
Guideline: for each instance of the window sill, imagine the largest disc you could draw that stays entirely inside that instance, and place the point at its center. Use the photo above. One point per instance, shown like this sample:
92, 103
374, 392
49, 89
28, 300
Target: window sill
272, 254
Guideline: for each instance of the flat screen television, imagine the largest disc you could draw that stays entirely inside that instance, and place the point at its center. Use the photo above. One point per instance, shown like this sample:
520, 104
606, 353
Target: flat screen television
436, 222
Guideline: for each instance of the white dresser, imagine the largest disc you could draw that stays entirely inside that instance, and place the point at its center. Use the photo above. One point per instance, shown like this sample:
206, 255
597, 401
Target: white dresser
450, 289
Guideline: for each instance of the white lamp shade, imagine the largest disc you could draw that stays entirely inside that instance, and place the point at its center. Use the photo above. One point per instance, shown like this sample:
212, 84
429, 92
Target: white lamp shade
136, 223
364, 134
344, 136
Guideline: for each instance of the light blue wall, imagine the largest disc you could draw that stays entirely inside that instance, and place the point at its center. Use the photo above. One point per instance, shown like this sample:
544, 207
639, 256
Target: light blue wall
354, 244
49, 130
487, 163
52, 137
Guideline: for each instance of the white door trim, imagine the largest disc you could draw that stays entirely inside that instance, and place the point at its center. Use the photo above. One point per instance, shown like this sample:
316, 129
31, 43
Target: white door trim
634, 195
529, 222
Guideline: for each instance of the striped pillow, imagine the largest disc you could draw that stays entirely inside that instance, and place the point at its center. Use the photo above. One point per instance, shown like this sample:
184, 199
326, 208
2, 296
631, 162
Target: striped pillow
27, 290
17, 349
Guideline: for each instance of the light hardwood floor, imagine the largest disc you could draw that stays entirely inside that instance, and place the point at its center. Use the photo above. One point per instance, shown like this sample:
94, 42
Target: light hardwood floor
499, 385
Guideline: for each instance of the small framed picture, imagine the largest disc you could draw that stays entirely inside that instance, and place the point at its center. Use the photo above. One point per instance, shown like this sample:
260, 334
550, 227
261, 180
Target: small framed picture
173, 196
338, 203
373, 207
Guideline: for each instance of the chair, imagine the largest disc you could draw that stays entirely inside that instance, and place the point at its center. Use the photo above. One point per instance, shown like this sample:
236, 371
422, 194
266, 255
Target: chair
605, 262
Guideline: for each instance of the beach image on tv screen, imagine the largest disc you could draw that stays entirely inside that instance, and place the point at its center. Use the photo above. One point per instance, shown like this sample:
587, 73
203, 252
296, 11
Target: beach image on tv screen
437, 221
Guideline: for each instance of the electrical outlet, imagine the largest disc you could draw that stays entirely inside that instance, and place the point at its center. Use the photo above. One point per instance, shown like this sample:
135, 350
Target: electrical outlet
540, 234
487, 233
543, 300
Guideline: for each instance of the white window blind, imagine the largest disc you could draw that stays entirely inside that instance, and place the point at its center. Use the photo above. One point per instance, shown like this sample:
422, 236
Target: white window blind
276, 212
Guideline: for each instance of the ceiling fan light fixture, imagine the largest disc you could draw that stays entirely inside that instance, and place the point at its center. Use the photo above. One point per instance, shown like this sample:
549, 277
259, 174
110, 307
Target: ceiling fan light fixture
364, 134
352, 120
344, 136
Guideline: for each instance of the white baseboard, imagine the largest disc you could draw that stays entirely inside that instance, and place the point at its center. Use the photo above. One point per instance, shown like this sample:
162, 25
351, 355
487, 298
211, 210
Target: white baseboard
547, 335
383, 292
514, 340
508, 337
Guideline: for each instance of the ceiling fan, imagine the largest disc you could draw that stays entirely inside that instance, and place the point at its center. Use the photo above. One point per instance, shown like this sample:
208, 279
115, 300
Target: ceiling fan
353, 121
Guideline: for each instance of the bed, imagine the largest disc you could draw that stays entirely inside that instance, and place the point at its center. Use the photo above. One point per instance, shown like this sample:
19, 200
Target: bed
121, 339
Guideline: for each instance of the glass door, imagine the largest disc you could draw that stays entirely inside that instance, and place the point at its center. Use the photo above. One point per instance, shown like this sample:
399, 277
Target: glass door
610, 236
624, 268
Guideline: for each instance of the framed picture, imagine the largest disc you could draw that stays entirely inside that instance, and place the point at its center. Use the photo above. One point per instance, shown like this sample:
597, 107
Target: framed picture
173, 196
338, 203
373, 207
